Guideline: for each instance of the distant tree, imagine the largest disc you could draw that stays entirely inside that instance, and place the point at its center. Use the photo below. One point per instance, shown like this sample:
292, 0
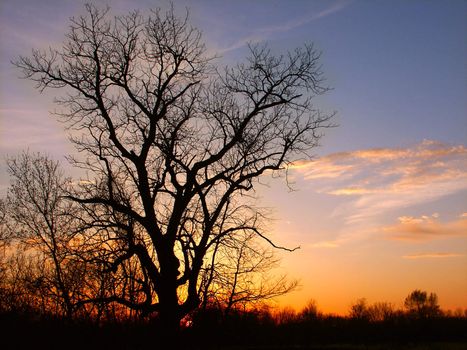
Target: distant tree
421, 305
286, 315
172, 145
310, 311
381, 311
459, 313
359, 310
376, 312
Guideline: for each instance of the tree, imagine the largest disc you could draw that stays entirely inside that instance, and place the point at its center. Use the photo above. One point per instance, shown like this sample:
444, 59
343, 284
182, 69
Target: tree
172, 145
239, 274
376, 312
310, 311
359, 310
421, 305
381, 311
285, 316
39, 217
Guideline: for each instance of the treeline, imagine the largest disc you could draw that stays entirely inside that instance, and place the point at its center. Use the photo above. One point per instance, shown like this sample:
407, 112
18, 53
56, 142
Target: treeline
379, 324
420, 321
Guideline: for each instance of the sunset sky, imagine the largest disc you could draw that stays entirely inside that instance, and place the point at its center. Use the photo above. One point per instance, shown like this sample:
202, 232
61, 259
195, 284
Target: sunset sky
381, 210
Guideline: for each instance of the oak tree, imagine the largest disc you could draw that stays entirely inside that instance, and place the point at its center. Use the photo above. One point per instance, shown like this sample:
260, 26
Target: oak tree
173, 144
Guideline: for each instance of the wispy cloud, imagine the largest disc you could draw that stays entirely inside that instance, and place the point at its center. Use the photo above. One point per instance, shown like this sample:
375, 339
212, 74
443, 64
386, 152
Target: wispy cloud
377, 180
292, 24
432, 255
425, 227
261, 34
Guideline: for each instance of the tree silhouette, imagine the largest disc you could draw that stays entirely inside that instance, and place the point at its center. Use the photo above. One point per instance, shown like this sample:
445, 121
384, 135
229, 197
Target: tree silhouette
381, 311
310, 311
359, 310
421, 305
38, 217
172, 145
239, 275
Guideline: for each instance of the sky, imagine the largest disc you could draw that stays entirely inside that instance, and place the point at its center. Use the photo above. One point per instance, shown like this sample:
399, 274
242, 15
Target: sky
381, 209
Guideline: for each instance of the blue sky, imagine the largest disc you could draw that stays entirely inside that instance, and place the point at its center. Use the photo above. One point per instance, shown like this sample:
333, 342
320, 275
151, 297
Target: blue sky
397, 67
387, 192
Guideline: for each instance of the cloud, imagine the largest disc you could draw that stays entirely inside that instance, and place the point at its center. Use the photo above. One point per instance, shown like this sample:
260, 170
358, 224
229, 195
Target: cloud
284, 27
377, 180
425, 227
261, 34
432, 255
351, 191
329, 171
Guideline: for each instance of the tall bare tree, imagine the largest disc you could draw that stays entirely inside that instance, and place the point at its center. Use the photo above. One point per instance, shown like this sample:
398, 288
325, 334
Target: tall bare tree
172, 144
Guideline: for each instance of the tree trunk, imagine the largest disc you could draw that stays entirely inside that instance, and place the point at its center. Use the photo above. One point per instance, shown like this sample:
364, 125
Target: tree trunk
170, 311
169, 317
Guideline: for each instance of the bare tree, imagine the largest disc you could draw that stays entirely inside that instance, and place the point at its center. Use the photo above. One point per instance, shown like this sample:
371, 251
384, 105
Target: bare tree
239, 274
39, 218
381, 311
171, 144
376, 312
310, 311
359, 310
